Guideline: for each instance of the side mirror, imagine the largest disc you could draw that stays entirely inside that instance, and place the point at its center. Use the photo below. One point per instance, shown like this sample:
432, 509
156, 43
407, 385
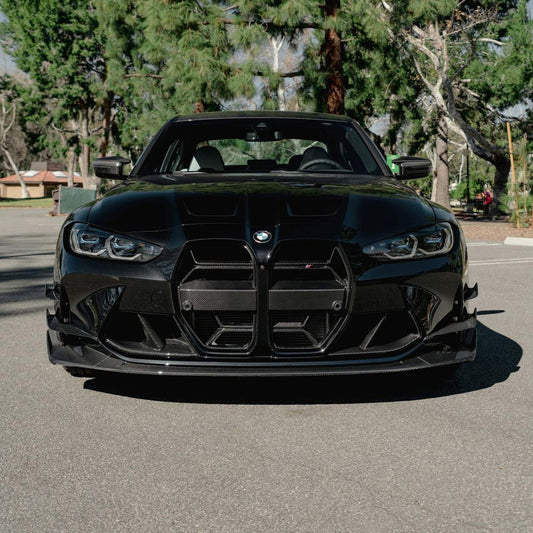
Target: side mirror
111, 168
413, 167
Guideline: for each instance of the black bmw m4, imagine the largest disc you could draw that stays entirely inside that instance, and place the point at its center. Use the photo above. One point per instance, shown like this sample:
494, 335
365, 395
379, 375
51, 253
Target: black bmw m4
261, 243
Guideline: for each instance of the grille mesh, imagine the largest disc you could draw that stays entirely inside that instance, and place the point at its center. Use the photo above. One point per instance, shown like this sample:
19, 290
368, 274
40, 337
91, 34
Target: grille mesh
315, 280
216, 291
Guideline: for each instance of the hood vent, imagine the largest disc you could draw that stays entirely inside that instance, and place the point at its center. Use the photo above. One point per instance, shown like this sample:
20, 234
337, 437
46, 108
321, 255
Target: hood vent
211, 206
313, 206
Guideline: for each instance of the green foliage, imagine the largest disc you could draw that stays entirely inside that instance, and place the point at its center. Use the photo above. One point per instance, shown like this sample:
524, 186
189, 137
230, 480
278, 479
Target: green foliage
422, 186
166, 56
147, 60
55, 43
504, 74
522, 216
477, 186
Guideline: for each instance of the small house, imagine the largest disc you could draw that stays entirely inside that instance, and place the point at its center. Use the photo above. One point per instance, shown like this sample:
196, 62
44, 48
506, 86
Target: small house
42, 178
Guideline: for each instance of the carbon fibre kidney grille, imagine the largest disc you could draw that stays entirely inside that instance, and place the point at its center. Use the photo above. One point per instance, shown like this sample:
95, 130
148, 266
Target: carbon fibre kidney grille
308, 295
217, 294
294, 307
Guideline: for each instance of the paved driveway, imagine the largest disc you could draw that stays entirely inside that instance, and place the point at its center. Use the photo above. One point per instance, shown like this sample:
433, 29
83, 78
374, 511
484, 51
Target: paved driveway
376, 454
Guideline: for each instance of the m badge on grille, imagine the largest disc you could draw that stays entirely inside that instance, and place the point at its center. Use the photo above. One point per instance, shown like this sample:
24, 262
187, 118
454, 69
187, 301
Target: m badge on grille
262, 236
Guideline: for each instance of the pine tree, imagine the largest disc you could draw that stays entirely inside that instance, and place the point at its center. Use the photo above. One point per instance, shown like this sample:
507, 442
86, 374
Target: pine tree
55, 43
167, 58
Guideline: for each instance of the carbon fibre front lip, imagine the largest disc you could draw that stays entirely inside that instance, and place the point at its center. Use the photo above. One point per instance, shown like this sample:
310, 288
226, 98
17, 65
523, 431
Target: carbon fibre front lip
88, 357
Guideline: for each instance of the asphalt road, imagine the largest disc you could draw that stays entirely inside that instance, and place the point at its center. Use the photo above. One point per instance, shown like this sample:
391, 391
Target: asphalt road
395, 453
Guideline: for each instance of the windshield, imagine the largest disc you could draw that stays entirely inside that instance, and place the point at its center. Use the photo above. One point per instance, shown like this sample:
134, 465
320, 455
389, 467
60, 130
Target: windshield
259, 145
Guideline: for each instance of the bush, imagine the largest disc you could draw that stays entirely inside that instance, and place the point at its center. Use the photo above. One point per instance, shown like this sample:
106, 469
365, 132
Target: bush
525, 206
477, 186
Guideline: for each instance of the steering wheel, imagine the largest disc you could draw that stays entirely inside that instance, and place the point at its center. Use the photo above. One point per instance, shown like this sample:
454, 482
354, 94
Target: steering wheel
329, 162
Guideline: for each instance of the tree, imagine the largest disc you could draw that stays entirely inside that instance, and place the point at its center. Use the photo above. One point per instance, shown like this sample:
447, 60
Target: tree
8, 124
164, 58
443, 39
56, 43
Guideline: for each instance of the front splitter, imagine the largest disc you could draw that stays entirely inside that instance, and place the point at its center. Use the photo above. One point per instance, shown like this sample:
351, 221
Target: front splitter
88, 357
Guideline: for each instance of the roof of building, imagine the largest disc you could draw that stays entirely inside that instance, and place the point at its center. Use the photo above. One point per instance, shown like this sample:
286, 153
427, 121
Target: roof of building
57, 177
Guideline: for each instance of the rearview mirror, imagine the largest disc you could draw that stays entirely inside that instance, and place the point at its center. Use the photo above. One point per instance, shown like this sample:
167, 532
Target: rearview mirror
413, 167
111, 168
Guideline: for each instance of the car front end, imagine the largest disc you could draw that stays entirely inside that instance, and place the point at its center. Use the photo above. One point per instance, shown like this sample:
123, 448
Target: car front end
263, 277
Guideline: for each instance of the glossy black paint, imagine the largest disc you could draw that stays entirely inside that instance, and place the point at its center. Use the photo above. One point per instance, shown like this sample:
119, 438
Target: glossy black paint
110, 167
345, 211
413, 167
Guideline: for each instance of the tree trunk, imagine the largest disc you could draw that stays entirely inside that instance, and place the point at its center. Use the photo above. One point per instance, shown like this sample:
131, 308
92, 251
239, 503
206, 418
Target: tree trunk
71, 164
85, 148
440, 193
333, 63
14, 166
502, 165
106, 125
276, 43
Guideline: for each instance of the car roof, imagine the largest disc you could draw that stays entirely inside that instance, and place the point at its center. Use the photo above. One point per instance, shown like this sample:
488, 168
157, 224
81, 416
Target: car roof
260, 115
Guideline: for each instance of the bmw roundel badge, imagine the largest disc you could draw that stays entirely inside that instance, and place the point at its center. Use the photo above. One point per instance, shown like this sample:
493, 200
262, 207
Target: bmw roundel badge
262, 236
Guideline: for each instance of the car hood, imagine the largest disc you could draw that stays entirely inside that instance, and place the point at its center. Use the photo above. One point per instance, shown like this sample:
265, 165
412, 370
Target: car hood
295, 206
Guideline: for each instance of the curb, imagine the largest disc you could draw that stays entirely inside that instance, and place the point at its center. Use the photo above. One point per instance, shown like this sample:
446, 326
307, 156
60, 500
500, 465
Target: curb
518, 241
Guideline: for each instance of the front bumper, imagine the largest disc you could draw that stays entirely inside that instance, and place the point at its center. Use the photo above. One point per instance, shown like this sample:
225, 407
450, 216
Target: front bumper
211, 316
426, 355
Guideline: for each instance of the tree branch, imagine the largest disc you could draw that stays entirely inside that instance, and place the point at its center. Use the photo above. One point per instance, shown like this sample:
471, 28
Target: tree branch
421, 47
294, 74
492, 41
479, 144
63, 130
138, 75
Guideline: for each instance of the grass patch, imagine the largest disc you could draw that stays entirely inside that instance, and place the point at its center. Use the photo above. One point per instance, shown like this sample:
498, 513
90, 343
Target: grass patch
27, 202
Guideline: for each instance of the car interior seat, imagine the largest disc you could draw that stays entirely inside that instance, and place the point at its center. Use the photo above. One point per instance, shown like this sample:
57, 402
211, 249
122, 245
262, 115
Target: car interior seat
206, 157
314, 153
294, 162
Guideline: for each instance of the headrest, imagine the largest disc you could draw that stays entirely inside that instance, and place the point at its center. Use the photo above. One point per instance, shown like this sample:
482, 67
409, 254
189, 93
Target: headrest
312, 153
294, 162
206, 157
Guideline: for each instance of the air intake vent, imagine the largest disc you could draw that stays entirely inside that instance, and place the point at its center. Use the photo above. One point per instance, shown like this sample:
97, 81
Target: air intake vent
308, 296
145, 336
378, 334
217, 295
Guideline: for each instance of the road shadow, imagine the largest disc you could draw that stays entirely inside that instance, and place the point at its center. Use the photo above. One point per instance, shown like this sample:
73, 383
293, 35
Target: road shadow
22, 288
498, 357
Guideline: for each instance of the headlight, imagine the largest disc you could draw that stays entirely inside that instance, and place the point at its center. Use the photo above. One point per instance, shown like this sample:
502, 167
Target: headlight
98, 243
435, 240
